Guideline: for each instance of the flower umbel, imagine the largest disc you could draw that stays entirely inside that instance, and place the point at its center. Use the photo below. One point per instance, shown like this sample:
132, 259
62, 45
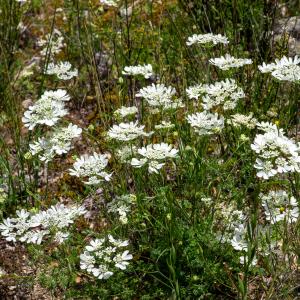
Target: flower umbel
33, 228
205, 123
144, 70
47, 110
159, 96
91, 167
63, 70
279, 206
154, 155
286, 69
226, 62
276, 153
102, 257
125, 132
207, 38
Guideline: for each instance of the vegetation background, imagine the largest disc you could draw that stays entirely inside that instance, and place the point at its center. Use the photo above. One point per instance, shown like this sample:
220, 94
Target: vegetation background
172, 231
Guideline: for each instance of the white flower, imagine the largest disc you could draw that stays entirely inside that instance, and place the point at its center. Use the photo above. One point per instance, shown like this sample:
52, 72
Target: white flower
286, 69
238, 120
60, 237
102, 256
267, 68
127, 131
125, 153
278, 206
144, 70
52, 43
126, 111
155, 166
7, 230
276, 152
269, 127
59, 95
244, 138
207, 200
109, 3
121, 260
154, 154
159, 96
164, 125
91, 167
207, 38
61, 138
63, 70
121, 205
205, 123
225, 93
227, 62
117, 243
47, 110
34, 236
33, 228
138, 163
59, 142
195, 91
58, 216
47, 113
95, 245
238, 242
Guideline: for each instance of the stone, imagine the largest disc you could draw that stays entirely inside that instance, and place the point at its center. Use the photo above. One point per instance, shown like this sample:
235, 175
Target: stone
291, 27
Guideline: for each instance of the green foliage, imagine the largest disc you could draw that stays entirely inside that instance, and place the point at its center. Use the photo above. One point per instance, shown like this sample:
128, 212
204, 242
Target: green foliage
175, 233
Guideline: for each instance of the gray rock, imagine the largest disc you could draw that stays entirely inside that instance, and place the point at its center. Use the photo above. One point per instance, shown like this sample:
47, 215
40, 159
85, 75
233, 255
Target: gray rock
291, 27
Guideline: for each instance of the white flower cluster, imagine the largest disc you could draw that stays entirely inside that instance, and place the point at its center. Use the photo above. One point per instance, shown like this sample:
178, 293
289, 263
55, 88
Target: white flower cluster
122, 205
33, 228
59, 142
287, 69
153, 155
207, 38
91, 167
238, 120
125, 153
144, 70
159, 96
276, 152
47, 110
52, 43
125, 132
126, 111
195, 91
164, 125
239, 241
278, 206
225, 93
63, 70
109, 3
206, 123
236, 233
226, 62
103, 256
